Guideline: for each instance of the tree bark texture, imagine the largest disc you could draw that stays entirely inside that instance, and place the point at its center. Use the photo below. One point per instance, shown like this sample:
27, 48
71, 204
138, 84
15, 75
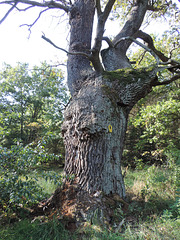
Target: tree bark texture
95, 125
81, 22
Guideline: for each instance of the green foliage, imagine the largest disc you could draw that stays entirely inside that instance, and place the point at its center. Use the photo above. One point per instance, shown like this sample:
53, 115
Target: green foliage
163, 9
160, 125
18, 186
153, 128
31, 105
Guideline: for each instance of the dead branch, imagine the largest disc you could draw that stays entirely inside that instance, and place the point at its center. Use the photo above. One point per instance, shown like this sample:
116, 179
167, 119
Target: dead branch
46, 4
31, 25
62, 49
8, 12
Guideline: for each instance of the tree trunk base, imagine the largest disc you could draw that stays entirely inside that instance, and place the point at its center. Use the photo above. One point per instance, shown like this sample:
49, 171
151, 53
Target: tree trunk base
73, 207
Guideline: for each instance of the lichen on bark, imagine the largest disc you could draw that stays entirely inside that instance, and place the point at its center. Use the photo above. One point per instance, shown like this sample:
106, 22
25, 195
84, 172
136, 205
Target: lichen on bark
128, 75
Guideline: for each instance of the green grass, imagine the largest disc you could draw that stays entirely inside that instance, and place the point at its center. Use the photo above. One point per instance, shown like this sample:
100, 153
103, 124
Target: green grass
153, 213
52, 230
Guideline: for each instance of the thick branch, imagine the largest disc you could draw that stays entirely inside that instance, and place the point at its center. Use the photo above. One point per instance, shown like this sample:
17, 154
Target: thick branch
99, 35
133, 23
148, 39
174, 78
109, 42
108, 9
101, 23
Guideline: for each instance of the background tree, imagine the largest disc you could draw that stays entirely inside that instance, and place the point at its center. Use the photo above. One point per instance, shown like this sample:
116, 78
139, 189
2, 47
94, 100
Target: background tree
102, 96
153, 128
31, 106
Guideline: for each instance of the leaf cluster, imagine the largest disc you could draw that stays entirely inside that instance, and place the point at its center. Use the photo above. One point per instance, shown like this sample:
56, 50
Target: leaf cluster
19, 184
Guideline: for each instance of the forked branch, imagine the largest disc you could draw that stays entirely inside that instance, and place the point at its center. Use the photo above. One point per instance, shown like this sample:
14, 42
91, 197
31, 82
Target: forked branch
49, 4
45, 4
31, 25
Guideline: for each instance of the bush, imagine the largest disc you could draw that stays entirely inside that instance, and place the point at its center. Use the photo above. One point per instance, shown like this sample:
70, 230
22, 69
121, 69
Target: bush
18, 186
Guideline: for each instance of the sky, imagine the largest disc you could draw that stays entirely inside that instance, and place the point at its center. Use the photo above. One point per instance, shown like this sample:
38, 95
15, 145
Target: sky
16, 45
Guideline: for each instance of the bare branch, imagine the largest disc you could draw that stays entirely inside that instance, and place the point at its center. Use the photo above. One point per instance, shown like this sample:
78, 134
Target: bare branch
102, 17
31, 25
141, 45
148, 39
8, 12
141, 57
100, 26
48, 4
23, 9
62, 49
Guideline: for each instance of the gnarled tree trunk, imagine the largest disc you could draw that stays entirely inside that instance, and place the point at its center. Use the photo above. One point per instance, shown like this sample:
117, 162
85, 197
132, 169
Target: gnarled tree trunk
95, 126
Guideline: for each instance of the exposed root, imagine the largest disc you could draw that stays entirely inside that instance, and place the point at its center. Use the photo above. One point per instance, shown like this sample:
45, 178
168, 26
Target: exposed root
75, 207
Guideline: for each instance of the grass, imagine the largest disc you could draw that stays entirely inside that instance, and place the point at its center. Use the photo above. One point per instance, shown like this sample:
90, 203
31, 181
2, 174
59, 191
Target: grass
52, 230
153, 213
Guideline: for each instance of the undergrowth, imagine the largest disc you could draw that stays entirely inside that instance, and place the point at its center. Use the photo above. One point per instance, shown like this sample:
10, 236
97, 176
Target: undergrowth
153, 212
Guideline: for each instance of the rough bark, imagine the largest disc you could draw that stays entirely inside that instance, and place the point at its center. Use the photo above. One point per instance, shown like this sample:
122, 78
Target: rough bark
95, 125
81, 22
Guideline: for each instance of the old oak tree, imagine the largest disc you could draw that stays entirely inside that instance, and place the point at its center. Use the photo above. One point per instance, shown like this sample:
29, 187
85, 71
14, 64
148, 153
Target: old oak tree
104, 88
